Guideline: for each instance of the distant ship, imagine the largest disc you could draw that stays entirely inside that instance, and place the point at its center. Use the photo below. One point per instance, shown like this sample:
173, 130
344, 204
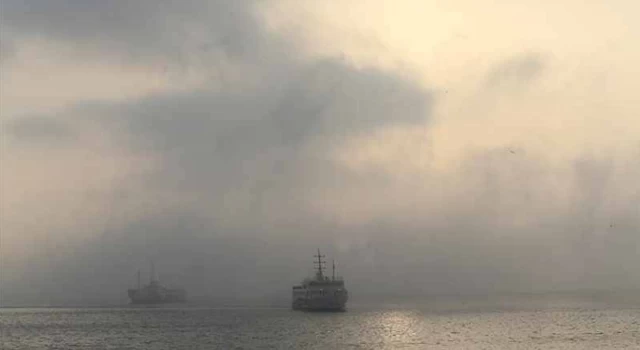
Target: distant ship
320, 293
155, 293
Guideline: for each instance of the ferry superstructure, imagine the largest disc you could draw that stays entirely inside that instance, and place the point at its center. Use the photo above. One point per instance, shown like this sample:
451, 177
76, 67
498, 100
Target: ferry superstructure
320, 293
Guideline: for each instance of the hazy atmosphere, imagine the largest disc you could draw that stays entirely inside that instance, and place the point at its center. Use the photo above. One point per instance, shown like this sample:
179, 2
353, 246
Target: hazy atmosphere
430, 147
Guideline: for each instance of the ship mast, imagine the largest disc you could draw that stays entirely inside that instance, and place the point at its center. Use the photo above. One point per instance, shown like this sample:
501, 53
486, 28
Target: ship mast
333, 272
320, 262
153, 277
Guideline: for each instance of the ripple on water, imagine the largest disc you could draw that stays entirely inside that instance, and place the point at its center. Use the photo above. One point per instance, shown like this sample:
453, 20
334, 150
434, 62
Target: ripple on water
281, 328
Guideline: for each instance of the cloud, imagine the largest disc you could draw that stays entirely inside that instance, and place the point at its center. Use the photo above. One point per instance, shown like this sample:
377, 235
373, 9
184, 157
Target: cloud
324, 102
245, 183
39, 130
236, 157
143, 31
7, 47
515, 71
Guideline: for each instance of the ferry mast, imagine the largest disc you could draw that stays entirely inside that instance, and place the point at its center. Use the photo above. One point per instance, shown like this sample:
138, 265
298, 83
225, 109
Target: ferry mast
333, 272
320, 265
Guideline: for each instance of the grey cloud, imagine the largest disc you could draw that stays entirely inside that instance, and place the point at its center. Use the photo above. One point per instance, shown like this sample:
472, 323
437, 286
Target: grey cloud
38, 130
249, 157
264, 149
253, 162
142, 30
7, 47
477, 242
507, 226
516, 70
468, 247
326, 101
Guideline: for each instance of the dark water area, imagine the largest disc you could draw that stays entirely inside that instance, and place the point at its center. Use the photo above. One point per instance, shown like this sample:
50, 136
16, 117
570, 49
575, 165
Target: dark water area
429, 325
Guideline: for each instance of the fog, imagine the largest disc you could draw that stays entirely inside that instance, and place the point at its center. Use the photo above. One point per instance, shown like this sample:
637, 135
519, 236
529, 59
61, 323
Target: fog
427, 153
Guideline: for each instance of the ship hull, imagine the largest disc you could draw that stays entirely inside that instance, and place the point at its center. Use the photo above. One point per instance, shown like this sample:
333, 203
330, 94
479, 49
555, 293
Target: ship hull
144, 297
322, 308
156, 301
330, 304
153, 302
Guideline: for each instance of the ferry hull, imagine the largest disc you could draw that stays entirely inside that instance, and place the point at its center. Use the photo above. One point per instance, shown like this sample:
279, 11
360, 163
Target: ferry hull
147, 297
155, 293
320, 304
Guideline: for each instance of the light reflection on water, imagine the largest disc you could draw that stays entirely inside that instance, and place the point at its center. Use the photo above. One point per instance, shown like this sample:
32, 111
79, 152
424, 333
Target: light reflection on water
388, 328
397, 327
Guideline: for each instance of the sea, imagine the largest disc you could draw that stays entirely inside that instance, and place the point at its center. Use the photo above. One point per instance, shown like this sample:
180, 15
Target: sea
448, 324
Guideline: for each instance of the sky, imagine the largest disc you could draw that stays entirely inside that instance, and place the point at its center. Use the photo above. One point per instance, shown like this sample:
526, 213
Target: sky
429, 147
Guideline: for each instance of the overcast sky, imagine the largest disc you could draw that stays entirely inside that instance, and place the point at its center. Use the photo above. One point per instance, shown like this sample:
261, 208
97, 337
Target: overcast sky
436, 147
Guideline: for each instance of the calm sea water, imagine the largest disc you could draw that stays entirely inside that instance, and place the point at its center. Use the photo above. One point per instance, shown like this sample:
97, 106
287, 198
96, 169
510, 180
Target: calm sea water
384, 327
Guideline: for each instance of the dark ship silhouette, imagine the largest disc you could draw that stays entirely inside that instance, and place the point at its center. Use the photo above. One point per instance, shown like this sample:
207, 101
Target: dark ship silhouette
320, 293
155, 293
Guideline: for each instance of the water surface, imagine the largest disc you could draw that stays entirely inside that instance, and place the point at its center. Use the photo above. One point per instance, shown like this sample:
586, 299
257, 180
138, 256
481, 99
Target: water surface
390, 327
